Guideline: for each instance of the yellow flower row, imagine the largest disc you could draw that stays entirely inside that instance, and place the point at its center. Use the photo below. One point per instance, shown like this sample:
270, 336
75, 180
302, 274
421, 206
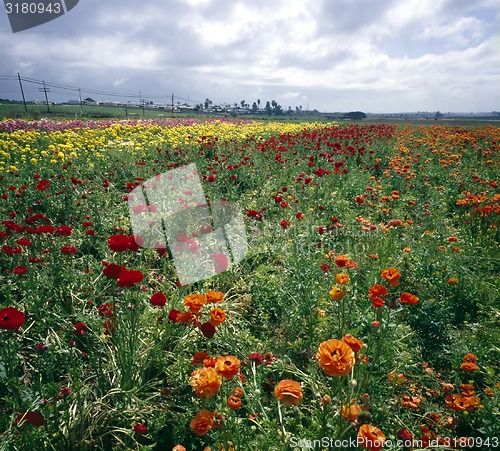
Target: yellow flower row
22, 147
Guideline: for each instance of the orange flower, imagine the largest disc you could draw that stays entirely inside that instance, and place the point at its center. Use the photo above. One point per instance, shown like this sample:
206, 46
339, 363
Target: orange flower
408, 298
397, 379
377, 290
205, 382
337, 294
392, 276
354, 343
214, 296
341, 279
238, 392
288, 392
227, 366
217, 316
371, 437
341, 260
202, 422
412, 402
461, 403
469, 362
453, 280
377, 302
233, 402
194, 302
335, 358
350, 413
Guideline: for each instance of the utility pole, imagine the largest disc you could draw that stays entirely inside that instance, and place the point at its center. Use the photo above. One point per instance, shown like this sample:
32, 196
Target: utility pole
81, 103
172, 104
45, 90
22, 92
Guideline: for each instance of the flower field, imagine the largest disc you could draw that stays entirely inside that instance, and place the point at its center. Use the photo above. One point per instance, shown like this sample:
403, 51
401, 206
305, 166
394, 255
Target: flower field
365, 314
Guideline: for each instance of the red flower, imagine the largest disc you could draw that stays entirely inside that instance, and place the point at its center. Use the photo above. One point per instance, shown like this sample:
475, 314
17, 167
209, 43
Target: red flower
45, 229
173, 314
69, 250
119, 243
129, 277
220, 262
285, 223
207, 329
256, 358
140, 429
112, 271
11, 318
158, 299
20, 270
64, 230
254, 214
34, 418
80, 329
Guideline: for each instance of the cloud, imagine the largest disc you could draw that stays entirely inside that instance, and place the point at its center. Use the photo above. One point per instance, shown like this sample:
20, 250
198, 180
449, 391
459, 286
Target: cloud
331, 54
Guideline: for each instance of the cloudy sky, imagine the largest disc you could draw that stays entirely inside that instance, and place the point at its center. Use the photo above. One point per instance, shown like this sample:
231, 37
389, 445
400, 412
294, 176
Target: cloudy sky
331, 55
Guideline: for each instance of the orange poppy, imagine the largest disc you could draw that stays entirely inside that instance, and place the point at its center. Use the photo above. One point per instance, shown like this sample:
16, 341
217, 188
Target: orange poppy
214, 296
238, 392
469, 362
233, 402
337, 294
217, 316
202, 422
195, 302
205, 381
288, 392
370, 437
227, 366
350, 413
354, 343
377, 290
461, 403
341, 279
412, 402
408, 298
392, 276
335, 358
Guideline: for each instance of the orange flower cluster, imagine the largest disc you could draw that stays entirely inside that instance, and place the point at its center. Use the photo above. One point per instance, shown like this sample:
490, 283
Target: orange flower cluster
376, 291
194, 303
466, 401
206, 381
335, 358
288, 392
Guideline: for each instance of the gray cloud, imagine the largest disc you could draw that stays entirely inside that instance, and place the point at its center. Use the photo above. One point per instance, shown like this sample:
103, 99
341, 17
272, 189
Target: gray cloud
334, 55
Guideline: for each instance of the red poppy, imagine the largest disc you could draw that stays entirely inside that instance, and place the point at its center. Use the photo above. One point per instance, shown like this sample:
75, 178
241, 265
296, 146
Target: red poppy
158, 299
11, 318
111, 270
34, 418
207, 329
119, 243
173, 315
80, 329
69, 250
64, 230
129, 277
20, 270
140, 429
221, 262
